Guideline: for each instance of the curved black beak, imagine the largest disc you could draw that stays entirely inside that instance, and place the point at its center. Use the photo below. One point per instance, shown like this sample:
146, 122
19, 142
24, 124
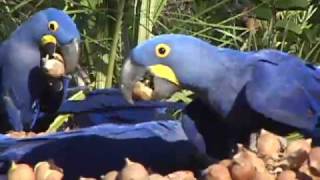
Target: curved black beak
132, 73
71, 54
50, 49
70, 51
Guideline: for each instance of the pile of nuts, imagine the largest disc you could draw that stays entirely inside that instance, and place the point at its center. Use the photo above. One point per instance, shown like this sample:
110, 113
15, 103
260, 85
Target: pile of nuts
24, 134
136, 171
47, 170
269, 157
44, 170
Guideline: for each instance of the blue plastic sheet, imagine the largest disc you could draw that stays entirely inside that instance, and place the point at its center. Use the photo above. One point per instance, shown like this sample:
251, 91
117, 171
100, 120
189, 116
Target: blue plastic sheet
109, 105
161, 145
111, 129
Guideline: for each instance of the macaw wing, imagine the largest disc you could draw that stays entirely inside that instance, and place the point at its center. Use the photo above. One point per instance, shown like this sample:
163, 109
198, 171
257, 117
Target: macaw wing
161, 146
285, 90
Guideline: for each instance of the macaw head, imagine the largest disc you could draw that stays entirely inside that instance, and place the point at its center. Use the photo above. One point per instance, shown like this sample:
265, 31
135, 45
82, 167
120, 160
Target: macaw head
175, 61
53, 30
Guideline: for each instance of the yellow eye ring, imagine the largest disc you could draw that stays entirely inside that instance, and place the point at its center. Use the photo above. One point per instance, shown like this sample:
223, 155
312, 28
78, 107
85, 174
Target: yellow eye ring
53, 26
163, 50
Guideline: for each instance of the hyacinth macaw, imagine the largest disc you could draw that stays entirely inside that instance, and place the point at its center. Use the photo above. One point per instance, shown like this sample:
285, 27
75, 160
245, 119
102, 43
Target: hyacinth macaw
23, 81
237, 92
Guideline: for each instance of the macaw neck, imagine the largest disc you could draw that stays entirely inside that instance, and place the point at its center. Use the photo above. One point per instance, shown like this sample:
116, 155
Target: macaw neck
30, 31
220, 77
19, 42
24, 34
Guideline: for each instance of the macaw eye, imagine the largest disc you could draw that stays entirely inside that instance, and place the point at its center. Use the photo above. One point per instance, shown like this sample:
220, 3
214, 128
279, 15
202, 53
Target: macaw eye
53, 26
163, 50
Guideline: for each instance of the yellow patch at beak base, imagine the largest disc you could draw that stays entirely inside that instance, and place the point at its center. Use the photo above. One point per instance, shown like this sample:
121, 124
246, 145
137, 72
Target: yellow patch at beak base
164, 72
46, 39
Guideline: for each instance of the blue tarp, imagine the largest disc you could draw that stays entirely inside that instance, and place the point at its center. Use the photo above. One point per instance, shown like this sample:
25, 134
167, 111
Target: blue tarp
161, 146
108, 105
110, 130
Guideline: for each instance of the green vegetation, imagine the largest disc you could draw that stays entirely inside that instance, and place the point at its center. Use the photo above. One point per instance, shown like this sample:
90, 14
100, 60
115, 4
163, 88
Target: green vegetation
111, 28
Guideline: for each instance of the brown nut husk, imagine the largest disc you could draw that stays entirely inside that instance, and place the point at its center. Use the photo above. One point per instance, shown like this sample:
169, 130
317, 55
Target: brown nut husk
263, 176
306, 172
55, 67
16, 134
304, 169
268, 145
20, 172
53, 175
111, 175
53, 166
314, 160
142, 92
226, 163
133, 171
181, 175
217, 172
42, 134
246, 156
41, 169
297, 152
157, 177
242, 170
30, 134
287, 175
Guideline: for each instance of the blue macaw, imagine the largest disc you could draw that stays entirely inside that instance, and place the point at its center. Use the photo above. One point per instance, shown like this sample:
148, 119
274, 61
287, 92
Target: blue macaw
24, 82
238, 93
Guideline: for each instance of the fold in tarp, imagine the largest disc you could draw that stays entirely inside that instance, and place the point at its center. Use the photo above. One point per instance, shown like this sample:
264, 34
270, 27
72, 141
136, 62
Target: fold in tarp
109, 106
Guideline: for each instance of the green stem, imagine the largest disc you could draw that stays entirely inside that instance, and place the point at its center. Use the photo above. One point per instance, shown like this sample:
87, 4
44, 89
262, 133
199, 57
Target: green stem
308, 56
116, 37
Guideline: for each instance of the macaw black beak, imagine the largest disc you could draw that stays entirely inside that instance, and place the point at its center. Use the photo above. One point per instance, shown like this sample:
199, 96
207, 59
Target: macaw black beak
132, 73
70, 52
